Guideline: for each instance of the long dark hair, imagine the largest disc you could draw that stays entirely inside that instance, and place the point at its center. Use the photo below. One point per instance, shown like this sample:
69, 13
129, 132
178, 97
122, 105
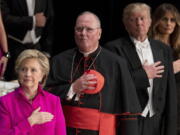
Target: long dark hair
157, 16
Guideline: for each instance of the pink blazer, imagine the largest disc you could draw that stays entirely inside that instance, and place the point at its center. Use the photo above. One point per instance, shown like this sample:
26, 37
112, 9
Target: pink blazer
15, 109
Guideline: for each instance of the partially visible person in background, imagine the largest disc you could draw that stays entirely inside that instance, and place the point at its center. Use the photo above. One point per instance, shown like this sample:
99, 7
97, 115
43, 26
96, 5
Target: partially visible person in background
166, 28
29, 25
4, 54
29, 110
5, 87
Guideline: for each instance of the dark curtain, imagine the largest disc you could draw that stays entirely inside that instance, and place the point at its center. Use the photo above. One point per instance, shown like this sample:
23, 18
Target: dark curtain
109, 12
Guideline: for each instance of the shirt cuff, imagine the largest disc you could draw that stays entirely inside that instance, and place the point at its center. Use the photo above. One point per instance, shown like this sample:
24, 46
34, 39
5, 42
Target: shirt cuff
34, 22
70, 93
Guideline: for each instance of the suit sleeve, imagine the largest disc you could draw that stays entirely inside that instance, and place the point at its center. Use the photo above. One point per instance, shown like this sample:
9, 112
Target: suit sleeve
12, 21
48, 31
140, 78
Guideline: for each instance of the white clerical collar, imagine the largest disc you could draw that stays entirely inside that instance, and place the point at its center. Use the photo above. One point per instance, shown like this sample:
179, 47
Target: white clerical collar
86, 54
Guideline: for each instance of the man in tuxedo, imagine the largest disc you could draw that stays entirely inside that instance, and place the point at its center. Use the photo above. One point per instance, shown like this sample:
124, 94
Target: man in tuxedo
150, 64
29, 25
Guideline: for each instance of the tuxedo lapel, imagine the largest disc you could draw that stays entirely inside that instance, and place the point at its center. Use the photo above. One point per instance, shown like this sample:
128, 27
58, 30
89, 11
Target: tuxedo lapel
133, 58
23, 6
130, 52
158, 56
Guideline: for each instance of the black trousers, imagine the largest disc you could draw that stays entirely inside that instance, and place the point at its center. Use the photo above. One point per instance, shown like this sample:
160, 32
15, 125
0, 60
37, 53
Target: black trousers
15, 48
150, 125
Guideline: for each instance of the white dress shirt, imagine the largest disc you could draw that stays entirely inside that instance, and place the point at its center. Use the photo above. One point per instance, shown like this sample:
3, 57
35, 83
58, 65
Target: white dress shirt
30, 36
145, 54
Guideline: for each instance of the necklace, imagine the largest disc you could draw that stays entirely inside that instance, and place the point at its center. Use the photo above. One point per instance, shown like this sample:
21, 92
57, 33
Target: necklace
73, 59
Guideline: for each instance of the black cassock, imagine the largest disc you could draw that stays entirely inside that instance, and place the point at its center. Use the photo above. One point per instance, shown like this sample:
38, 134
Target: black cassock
118, 95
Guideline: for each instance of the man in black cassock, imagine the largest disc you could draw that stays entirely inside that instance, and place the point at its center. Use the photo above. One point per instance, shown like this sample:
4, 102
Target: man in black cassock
100, 112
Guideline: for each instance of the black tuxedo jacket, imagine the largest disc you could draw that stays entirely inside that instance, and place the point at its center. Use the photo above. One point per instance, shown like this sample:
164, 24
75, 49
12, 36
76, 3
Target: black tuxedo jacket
17, 22
164, 89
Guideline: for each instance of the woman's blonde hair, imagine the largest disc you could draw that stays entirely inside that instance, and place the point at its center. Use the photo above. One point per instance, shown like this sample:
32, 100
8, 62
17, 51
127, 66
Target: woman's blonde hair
34, 54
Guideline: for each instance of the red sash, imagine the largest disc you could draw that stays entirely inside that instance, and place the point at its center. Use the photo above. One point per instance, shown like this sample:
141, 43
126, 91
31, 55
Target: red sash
90, 119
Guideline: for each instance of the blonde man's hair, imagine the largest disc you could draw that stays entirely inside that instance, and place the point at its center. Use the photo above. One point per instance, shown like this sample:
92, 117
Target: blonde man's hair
34, 54
135, 7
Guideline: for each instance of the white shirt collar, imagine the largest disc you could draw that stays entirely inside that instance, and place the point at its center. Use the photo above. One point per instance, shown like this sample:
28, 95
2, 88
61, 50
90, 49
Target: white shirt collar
140, 44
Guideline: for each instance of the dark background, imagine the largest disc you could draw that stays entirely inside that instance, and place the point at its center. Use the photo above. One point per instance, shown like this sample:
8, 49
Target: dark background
109, 12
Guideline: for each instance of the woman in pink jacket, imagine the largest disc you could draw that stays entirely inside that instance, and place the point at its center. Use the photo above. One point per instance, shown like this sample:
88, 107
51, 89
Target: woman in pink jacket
29, 110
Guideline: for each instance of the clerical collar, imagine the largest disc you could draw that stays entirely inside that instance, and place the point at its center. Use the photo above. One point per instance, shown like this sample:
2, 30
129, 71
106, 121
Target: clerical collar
91, 54
88, 53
